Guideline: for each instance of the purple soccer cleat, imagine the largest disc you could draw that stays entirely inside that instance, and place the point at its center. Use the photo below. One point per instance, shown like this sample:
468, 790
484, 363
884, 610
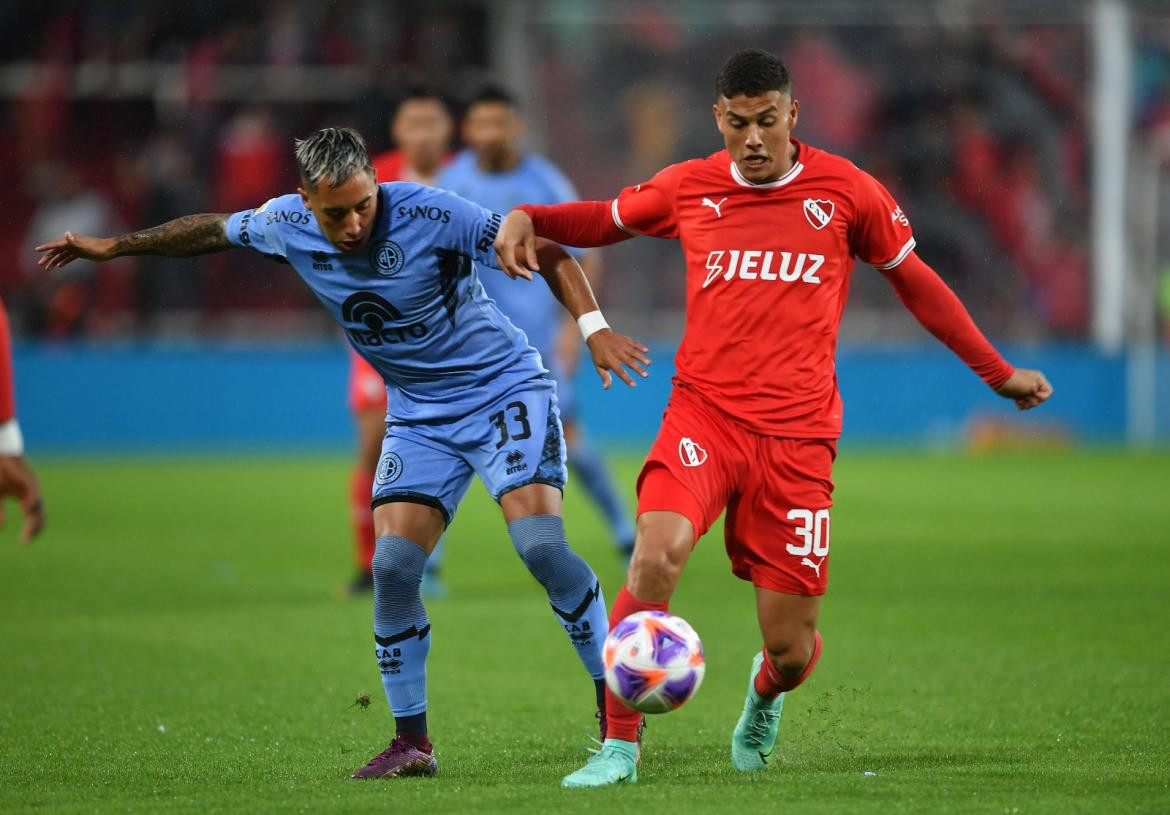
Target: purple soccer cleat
401, 758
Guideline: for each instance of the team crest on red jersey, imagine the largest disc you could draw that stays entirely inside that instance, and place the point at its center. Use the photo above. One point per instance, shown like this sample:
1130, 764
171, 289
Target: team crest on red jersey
819, 212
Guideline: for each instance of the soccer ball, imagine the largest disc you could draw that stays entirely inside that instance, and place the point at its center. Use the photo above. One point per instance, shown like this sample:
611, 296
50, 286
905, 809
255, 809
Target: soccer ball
653, 661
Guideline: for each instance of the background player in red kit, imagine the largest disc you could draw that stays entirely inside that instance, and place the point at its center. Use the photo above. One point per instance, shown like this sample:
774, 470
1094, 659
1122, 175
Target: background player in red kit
17, 479
421, 128
769, 228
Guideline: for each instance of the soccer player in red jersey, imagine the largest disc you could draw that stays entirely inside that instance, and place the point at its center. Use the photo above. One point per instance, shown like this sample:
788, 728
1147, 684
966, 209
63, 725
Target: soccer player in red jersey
16, 476
770, 228
421, 128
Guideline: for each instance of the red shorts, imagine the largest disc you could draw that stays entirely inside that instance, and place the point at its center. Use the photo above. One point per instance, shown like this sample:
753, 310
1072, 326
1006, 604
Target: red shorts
367, 391
777, 492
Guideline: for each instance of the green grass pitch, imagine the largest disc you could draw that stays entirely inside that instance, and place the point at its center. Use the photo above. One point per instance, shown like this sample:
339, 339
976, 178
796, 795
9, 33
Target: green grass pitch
997, 639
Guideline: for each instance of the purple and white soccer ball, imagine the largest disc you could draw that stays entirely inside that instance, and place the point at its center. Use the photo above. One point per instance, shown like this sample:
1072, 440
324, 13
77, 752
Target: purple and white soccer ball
653, 661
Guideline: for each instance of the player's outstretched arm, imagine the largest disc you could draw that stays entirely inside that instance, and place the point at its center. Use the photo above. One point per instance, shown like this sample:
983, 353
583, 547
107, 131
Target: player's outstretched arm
939, 310
182, 237
577, 223
612, 352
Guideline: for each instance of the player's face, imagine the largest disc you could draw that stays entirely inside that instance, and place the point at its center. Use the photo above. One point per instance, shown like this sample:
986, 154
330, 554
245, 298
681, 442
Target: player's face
755, 131
422, 131
492, 130
346, 212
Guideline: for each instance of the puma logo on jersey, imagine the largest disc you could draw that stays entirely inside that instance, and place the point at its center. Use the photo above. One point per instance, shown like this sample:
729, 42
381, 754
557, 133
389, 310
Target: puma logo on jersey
815, 565
692, 454
819, 211
756, 264
707, 202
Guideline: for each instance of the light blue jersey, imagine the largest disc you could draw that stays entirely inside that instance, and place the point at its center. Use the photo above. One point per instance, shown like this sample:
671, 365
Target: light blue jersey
411, 302
535, 180
469, 394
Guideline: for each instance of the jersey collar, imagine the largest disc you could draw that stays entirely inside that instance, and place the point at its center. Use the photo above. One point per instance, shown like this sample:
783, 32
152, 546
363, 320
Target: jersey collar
787, 178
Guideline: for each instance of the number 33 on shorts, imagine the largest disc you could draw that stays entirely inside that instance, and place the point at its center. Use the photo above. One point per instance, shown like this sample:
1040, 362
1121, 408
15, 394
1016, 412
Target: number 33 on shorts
812, 530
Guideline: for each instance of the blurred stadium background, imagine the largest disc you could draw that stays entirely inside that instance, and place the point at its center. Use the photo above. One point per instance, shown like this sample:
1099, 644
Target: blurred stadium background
1028, 141
998, 637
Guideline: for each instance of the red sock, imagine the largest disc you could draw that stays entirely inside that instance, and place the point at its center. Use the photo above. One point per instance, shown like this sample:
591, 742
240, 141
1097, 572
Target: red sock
361, 487
770, 683
622, 722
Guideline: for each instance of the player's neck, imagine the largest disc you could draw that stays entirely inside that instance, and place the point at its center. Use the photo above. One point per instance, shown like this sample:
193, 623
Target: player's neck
787, 162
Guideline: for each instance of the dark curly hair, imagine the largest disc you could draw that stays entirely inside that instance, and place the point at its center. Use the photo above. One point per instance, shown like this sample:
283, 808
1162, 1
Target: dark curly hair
752, 72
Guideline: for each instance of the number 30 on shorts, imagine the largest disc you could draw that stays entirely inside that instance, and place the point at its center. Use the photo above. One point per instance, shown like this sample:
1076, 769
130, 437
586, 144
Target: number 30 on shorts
813, 531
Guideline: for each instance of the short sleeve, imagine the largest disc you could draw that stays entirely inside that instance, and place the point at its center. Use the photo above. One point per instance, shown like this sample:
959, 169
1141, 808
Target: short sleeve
255, 229
475, 228
881, 235
649, 207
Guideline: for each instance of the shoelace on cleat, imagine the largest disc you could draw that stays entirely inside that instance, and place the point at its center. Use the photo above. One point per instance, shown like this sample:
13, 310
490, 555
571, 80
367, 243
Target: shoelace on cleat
760, 724
396, 746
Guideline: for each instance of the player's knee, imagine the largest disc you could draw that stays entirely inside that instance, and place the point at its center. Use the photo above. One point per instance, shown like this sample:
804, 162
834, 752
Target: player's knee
396, 565
541, 555
540, 542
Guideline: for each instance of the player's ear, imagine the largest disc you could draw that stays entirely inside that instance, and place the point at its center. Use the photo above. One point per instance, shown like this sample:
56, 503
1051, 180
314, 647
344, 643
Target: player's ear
718, 115
305, 198
794, 114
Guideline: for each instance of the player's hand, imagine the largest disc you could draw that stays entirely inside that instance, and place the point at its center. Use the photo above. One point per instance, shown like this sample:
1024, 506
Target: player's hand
1026, 388
70, 247
516, 246
18, 481
613, 351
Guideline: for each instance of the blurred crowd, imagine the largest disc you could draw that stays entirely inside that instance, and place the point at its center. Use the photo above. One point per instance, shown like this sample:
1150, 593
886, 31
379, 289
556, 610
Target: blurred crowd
139, 112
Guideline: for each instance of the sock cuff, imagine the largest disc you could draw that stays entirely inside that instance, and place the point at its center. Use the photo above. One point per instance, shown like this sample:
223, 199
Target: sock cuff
775, 683
538, 526
629, 604
399, 552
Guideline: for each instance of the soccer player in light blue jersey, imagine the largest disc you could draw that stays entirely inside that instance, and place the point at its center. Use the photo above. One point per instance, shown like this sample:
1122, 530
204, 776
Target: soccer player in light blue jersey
398, 266
496, 173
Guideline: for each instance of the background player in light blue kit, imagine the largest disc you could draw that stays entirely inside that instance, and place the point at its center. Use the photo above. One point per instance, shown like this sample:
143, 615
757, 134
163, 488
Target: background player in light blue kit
397, 265
496, 173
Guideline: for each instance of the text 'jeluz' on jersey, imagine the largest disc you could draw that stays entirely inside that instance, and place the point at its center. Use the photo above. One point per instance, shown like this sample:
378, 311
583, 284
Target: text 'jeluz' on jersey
758, 264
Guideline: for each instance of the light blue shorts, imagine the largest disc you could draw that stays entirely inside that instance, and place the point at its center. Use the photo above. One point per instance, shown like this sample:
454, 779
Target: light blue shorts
516, 440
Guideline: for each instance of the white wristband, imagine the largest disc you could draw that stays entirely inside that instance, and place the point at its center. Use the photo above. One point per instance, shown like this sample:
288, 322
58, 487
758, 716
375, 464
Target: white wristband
591, 323
11, 441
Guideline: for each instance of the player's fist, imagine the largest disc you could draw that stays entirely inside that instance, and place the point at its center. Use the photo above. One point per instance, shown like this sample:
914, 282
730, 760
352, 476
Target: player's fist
1026, 388
516, 246
69, 247
616, 352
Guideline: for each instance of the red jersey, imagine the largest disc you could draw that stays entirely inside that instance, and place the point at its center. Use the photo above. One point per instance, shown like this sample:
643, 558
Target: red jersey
7, 398
767, 278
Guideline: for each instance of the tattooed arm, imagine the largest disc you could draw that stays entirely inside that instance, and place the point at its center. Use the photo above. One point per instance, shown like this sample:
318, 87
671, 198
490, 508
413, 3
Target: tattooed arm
180, 238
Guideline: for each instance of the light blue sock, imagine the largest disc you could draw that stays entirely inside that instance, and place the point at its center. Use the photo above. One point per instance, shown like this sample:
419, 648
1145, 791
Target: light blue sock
588, 466
402, 632
573, 589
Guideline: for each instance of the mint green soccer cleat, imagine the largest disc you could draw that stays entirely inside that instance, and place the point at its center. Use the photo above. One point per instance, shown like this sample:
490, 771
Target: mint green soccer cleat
754, 738
615, 763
